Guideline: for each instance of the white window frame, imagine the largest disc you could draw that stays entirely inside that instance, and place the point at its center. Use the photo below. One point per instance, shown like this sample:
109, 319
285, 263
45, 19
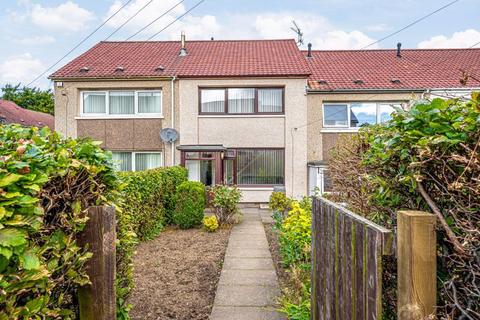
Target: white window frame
133, 153
349, 108
107, 113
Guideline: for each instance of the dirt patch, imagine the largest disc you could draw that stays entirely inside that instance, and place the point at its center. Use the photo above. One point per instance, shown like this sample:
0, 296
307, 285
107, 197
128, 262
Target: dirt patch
274, 246
176, 274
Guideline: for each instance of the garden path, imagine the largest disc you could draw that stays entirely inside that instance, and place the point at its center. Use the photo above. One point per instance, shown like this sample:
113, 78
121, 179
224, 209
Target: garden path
248, 286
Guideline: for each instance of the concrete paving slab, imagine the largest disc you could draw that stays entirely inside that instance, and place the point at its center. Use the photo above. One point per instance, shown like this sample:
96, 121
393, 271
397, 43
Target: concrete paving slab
247, 253
248, 264
247, 296
245, 313
266, 278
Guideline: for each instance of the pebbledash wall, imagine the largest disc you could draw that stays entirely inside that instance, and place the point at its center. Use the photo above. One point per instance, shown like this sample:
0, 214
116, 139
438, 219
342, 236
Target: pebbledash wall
252, 131
118, 133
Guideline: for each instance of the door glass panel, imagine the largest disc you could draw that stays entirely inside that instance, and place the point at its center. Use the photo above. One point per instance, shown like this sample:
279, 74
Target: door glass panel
201, 170
228, 172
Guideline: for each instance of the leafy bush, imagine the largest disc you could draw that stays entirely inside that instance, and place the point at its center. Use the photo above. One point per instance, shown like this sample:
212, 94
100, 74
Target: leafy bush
294, 236
225, 203
210, 223
428, 154
279, 202
41, 265
190, 207
149, 197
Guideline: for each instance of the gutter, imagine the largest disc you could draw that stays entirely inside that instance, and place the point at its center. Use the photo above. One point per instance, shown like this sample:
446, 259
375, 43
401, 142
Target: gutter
402, 90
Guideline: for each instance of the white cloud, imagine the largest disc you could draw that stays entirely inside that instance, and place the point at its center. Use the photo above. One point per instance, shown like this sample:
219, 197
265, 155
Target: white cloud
377, 27
67, 16
461, 39
22, 68
35, 40
147, 15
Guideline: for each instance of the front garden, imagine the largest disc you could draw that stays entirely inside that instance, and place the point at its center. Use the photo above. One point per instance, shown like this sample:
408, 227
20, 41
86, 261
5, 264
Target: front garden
47, 183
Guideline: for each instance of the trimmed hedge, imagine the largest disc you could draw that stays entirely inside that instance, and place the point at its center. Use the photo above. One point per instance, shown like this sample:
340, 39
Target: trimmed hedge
147, 200
46, 183
189, 211
149, 197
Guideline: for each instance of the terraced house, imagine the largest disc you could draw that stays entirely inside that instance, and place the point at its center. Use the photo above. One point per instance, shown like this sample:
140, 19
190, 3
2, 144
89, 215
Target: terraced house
260, 114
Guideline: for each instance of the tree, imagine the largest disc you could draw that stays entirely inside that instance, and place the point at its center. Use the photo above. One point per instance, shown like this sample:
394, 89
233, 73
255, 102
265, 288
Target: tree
29, 98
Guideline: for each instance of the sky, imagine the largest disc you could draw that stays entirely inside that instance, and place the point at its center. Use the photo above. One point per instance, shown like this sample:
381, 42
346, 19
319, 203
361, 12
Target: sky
34, 34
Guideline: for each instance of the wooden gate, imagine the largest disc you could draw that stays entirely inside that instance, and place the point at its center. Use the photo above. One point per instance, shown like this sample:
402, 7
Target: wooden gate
347, 254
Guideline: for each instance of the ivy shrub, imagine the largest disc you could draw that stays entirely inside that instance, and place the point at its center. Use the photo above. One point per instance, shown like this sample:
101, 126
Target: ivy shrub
46, 184
429, 153
189, 211
149, 198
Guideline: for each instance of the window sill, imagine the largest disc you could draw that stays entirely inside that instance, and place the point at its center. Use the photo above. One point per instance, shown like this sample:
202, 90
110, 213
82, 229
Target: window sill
259, 188
241, 116
339, 130
112, 117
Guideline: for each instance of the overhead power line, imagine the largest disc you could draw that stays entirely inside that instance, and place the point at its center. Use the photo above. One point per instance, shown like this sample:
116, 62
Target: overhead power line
116, 45
411, 24
80, 43
128, 20
178, 18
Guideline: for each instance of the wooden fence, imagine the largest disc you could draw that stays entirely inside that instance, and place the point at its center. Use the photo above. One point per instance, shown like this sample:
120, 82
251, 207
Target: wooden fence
347, 252
98, 300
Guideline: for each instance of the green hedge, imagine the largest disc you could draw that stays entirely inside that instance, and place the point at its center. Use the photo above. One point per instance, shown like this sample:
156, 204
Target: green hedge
147, 200
190, 208
46, 183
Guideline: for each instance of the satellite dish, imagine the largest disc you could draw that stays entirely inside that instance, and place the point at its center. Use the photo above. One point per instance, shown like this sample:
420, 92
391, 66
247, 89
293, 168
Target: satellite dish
169, 135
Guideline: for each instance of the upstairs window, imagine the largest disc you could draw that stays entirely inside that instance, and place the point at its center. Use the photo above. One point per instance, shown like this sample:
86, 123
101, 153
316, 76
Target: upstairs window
121, 103
241, 101
356, 114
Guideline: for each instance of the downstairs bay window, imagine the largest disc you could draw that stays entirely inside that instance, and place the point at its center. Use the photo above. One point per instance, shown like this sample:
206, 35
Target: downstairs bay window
137, 161
357, 114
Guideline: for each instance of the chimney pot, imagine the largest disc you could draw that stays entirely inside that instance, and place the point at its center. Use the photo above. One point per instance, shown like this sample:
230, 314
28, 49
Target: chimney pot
399, 50
183, 49
309, 53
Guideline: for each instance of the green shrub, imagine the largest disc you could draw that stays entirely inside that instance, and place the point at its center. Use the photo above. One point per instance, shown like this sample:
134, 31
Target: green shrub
225, 203
190, 207
294, 235
41, 265
148, 198
279, 202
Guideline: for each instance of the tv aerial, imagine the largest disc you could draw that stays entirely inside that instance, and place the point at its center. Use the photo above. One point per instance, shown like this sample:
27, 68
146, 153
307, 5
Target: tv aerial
298, 32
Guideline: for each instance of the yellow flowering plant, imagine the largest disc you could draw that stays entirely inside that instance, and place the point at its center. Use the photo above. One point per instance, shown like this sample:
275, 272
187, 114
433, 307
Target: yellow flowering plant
210, 223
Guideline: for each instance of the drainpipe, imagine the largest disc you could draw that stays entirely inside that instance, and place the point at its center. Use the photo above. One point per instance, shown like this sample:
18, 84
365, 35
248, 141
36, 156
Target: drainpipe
172, 113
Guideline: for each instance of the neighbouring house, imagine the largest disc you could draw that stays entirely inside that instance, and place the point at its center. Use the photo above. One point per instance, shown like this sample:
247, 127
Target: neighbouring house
260, 114
11, 113
351, 88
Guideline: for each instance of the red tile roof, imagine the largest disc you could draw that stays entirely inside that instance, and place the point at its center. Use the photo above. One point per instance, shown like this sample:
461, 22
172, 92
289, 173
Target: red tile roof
11, 113
240, 58
378, 69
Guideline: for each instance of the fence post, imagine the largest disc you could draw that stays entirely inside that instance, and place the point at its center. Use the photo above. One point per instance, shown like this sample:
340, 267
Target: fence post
98, 301
417, 266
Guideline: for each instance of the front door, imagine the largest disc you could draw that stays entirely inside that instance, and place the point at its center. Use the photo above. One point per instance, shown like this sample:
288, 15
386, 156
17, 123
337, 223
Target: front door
203, 166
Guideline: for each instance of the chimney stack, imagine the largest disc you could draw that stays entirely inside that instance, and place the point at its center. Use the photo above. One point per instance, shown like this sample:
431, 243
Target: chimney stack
399, 49
183, 49
309, 53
